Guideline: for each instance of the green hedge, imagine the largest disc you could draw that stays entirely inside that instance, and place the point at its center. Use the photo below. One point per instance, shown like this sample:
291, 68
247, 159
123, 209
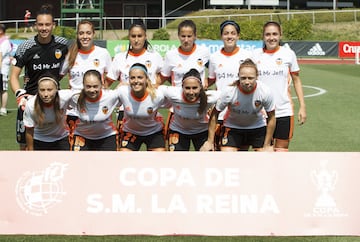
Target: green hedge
294, 29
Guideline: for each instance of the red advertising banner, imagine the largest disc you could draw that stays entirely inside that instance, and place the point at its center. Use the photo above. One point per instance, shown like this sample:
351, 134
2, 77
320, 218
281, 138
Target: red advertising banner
348, 49
197, 193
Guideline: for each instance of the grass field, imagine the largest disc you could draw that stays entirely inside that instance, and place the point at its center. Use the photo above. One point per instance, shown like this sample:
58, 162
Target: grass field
331, 126
332, 116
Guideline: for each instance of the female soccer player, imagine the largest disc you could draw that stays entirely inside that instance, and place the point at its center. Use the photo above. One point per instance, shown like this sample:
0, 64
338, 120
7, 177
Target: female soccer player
224, 64
244, 122
278, 68
94, 129
189, 55
139, 51
190, 104
85, 55
142, 123
44, 117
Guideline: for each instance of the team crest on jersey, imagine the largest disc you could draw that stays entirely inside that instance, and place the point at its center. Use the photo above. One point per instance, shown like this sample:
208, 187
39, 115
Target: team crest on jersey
105, 110
174, 138
124, 143
224, 141
83, 110
200, 62
148, 64
150, 110
279, 61
237, 103
96, 62
257, 103
58, 54
171, 147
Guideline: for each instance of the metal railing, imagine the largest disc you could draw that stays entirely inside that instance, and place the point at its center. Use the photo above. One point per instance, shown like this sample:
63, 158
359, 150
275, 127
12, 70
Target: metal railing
157, 22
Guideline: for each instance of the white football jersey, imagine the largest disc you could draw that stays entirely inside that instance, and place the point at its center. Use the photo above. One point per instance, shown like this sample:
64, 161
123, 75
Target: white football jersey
246, 110
97, 58
50, 131
186, 118
178, 62
274, 70
121, 64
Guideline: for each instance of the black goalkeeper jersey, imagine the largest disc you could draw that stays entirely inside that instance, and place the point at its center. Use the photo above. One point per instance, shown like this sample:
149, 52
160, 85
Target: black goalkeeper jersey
39, 59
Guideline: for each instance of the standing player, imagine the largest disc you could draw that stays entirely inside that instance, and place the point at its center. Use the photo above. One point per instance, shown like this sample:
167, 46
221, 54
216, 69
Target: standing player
189, 55
139, 51
224, 64
85, 55
141, 102
44, 117
43, 53
278, 67
190, 104
244, 122
5, 51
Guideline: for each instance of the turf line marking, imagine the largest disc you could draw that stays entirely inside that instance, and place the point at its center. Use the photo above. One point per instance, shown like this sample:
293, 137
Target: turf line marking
320, 91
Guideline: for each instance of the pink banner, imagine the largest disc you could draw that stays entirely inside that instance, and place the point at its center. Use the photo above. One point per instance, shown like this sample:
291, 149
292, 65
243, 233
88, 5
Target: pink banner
212, 193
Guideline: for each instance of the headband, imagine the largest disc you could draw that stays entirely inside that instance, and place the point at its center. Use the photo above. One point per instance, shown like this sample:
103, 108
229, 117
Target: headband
46, 78
192, 77
231, 22
140, 68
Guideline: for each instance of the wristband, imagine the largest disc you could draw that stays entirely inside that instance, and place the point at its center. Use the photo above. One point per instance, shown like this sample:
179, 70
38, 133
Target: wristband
19, 92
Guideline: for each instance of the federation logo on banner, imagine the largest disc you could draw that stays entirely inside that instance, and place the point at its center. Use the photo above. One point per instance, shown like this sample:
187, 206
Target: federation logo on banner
38, 191
325, 181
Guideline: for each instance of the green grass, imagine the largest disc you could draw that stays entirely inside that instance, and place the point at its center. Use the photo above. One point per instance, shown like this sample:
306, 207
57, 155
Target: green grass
44, 238
333, 117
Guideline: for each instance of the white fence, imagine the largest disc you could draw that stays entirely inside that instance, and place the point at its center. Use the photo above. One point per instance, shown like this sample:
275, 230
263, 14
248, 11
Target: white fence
157, 22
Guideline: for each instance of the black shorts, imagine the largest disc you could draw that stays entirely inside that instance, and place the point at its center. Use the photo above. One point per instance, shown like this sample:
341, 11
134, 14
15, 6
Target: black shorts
134, 142
62, 144
181, 142
243, 137
284, 128
1, 83
20, 128
104, 144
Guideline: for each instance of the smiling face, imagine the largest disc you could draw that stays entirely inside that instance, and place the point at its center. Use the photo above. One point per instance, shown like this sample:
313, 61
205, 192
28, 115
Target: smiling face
85, 36
191, 88
230, 36
138, 81
92, 87
137, 38
47, 91
272, 36
44, 25
187, 38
